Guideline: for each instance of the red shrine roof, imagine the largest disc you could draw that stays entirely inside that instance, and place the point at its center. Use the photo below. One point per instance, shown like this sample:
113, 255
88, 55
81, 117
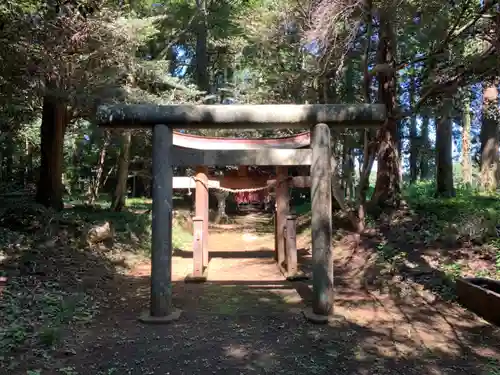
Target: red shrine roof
218, 143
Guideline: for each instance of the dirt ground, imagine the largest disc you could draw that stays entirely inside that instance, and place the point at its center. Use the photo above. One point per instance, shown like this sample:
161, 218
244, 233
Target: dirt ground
247, 320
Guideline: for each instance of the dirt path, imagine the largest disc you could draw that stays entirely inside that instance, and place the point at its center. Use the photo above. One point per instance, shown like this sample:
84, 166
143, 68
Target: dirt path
246, 320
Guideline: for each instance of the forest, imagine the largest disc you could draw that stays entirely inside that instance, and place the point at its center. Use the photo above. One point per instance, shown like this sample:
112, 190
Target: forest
418, 196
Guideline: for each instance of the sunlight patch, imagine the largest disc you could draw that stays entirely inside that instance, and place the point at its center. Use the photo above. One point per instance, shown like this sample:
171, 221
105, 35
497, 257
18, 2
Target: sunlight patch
238, 352
248, 237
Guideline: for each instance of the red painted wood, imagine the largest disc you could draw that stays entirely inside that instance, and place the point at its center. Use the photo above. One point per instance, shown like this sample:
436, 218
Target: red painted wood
198, 248
291, 246
201, 206
218, 143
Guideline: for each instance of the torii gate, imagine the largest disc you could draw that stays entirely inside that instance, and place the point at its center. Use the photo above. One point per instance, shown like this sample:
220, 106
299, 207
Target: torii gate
163, 119
201, 183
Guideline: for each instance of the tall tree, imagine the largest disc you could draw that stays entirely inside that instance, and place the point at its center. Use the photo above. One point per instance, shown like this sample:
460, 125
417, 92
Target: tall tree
444, 161
489, 138
414, 146
465, 152
425, 147
387, 188
120, 194
202, 57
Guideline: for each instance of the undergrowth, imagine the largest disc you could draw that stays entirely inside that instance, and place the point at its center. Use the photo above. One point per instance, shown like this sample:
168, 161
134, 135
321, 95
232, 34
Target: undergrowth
433, 241
468, 225
55, 282
469, 216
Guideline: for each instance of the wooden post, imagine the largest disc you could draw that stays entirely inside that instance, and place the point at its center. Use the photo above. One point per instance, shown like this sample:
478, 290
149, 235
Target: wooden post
282, 209
201, 206
291, 247
243, 171
275, 233
321, 197
198, 244
161, 309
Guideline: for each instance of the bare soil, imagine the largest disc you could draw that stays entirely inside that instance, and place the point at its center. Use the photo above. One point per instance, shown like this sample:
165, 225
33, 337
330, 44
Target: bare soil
247, 319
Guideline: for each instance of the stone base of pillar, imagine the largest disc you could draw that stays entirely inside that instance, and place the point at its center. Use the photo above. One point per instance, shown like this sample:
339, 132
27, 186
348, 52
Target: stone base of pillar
297, 276
147, 318
190, 279
321, 319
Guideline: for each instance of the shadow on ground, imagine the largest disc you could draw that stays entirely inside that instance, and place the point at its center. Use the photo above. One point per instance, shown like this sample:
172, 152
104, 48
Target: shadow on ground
251, 327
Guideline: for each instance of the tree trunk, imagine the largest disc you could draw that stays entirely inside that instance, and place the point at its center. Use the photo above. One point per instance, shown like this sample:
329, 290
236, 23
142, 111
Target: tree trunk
369, 147
466, 161
444, 162
95, 184
54, 120
28, 163
387, 188
489, 140
413, 136
120, 193
348, 170
9, 158
425, 149
201, 58
364, 178
347, 149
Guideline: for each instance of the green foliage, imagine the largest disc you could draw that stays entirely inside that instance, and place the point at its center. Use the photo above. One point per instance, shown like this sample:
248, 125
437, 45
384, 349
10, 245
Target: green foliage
390, 255
44, 298
468, 216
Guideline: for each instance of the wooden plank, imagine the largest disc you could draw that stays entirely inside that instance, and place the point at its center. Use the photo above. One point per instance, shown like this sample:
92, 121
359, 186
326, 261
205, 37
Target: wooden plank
198, 246
201, 206
275, 157
181, 182
297, 181
217, 143
291, 247
241, 115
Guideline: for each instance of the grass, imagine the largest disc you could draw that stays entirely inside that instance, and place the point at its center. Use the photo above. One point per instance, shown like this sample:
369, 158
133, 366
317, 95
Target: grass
37, 321
55, 280
132, 223
469, 220
470, 214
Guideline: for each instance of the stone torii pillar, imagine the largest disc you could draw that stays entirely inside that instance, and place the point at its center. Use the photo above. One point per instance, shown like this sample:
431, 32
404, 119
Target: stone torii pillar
321, 225
161, 309
164, 118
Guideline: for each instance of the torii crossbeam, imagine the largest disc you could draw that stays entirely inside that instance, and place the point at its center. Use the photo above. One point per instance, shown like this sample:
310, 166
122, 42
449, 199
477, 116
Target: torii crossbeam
163, 119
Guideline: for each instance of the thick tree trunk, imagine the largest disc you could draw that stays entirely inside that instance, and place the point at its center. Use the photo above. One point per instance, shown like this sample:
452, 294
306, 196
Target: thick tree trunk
387, 188
444, 161
54, 120
466, 161
489, 140
120, 193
